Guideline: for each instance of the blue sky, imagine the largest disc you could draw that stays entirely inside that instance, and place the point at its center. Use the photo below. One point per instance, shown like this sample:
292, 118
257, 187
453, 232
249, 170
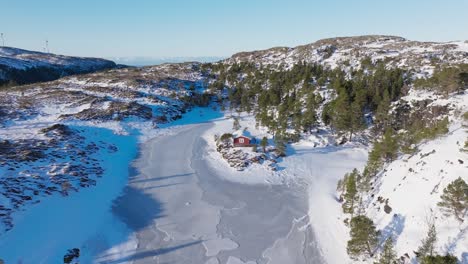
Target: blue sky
179, 28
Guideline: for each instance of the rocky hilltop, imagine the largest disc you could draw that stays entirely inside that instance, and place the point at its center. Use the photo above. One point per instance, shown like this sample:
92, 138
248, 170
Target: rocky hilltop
350, 51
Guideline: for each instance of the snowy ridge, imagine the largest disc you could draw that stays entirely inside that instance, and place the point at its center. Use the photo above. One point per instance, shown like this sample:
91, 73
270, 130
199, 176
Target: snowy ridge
24, 66
350, 51
23, 59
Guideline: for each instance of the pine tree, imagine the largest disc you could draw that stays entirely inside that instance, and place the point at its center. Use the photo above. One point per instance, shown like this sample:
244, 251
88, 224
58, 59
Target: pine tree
283, 117
427, 247
356, 113
192, 87
264, 143
364, 237
455, 199
236, 125
447, 259
389, 145
388, 255
280, 146
254, 148
341, 118
341, 184
245, 104
374, 162
309, 117
381, 114
350, 195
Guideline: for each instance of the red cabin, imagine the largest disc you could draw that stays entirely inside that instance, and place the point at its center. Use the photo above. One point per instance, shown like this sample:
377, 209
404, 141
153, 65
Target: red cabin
243, 142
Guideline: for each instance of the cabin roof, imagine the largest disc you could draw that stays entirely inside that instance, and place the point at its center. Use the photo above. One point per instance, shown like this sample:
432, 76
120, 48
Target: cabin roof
243, 137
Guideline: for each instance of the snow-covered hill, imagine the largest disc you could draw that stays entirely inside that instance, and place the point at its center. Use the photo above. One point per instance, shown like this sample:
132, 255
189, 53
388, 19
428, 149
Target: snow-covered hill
49, 147
24, 66
48, 141
413, 184
350, 51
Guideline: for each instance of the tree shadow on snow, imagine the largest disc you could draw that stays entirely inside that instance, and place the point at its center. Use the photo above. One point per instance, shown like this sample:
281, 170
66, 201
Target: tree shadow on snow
316, 150
137, 209
453, 242
197, 115
152, 253
393, 229
293, 151
464, 259
161, 178
162, 186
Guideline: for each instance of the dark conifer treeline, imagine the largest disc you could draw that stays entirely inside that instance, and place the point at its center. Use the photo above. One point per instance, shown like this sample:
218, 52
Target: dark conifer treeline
283, 99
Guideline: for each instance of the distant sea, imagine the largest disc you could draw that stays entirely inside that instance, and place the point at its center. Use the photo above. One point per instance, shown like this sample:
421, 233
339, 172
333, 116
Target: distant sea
147, 61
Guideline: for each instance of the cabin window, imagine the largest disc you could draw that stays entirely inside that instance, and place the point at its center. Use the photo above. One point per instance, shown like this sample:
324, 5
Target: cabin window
241, 140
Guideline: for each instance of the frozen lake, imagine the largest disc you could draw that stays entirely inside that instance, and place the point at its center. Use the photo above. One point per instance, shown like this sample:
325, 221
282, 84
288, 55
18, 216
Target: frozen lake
182, 212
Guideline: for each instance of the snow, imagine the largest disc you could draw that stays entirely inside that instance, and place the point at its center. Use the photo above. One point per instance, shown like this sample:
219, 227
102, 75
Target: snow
201, 206
413, 185
84, 219
100, 232
454, 101
404, 53
214, 246
45, 231
24, 59
461, 45
253, 174
234, 260
106, 238
321, 168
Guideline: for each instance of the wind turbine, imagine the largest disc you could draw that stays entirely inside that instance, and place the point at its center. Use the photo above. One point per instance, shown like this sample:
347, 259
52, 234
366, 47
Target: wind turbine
3, 40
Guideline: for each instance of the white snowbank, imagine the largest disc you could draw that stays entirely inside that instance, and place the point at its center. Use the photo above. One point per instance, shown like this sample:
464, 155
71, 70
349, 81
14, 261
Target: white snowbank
322, 168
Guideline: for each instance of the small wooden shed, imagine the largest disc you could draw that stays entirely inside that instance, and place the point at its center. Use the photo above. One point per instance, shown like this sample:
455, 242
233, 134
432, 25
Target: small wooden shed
243, 141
